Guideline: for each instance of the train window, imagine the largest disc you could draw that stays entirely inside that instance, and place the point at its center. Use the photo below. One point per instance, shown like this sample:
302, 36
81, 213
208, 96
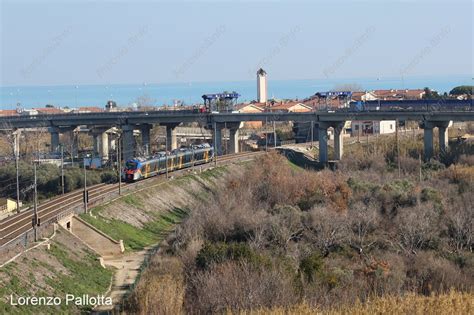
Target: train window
131, 165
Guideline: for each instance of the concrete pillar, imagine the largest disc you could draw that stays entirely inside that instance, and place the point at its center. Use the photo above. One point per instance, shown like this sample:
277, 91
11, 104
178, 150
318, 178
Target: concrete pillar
101, 144
16, 140
145, 130
428, 140
104, 146
128, 142
338, 141
443, 137
217, 139
74, 148
96, 143
323, 142
234, 140
54, 132
171, 138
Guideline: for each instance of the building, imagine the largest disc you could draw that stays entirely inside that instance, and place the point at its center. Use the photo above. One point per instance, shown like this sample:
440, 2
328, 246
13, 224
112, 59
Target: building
49, 111
88, 109
372, 127
261, 86
251, 108
393, 95
290, 107
8, 112
7, 205
364, 96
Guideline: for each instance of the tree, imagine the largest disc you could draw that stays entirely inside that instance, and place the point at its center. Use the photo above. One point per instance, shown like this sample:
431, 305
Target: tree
431, 94
462, 89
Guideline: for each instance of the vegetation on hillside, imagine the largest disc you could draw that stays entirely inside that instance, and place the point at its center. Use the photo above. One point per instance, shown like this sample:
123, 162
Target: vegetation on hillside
68, 267
277, 237
48, 180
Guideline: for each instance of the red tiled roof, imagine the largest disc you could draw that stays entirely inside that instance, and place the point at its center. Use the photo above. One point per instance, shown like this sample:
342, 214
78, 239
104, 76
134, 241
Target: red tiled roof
8, 112
49, 110
90, 109
260, 106
287, 106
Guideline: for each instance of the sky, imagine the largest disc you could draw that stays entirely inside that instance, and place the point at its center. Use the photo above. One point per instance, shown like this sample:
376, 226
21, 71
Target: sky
120, 42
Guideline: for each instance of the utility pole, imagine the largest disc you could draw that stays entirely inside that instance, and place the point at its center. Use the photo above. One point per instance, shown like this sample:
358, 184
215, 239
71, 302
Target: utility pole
215, 144
398, 147
312, 133
266, 135
62, 168
274, 136
119, 163
225, 138
85, 186
166, 155
421, 165
17, 166
35, 204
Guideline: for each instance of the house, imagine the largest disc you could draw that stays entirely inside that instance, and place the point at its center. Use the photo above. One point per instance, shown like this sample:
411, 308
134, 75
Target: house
49, 111
8, 112
359, 128
393, 95
290, 107
7, 205
251, 108
364, 96
88, 109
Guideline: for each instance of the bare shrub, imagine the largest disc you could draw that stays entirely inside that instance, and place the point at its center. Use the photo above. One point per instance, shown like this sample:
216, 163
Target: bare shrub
460, 223
417, 227
430, 274
363, 220
285, 225
160, 289
239, 286
326, 228
466, 160
409, 165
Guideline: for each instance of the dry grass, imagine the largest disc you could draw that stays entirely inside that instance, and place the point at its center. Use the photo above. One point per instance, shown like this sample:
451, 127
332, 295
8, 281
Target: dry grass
450, 303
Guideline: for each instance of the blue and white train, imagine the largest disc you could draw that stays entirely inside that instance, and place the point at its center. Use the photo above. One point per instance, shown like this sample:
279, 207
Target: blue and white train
140, 168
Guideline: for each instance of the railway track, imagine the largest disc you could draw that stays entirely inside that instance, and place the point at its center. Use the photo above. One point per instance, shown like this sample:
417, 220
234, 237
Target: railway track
13, 227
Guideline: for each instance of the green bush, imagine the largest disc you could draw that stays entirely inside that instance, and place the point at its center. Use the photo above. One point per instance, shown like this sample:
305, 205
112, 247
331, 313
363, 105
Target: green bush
430, 194
311, 265
215, 253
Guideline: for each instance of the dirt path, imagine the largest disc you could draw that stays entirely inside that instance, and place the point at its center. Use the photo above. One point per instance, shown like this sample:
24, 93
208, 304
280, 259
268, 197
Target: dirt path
127, 270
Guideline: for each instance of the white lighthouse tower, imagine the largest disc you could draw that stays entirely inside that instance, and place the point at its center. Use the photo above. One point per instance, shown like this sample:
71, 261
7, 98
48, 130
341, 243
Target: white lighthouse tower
261, 86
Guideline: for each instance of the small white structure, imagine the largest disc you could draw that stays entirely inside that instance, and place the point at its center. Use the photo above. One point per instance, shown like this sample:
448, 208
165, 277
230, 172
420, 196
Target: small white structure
359, 127
261, 86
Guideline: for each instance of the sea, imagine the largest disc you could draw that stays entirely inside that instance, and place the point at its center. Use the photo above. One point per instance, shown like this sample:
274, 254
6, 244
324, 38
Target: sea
74, 96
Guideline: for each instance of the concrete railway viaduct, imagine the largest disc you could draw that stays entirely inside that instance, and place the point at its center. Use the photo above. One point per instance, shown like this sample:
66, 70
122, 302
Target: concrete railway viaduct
127, 122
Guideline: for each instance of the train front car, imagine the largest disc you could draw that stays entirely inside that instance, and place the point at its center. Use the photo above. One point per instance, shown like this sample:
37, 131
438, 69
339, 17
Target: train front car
132, 170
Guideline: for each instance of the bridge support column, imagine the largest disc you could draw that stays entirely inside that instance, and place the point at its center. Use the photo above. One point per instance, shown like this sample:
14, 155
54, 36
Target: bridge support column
16, 144
338, 141
233, 137
323, 142
101, 143
427, 139
54, 132
171, 138
104, 145
128, 142
145, 130
217, 139
443, 137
